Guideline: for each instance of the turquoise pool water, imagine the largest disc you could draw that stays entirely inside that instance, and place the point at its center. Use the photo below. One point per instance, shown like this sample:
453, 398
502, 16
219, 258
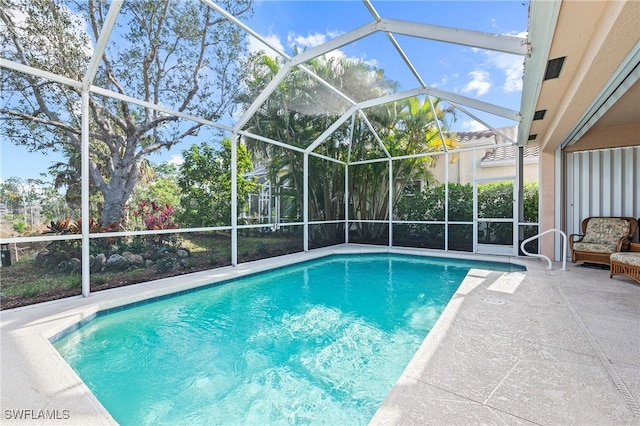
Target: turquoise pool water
319, 342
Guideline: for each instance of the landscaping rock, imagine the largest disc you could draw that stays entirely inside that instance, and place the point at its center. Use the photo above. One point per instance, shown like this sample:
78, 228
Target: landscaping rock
99, 262
165, 263
117, 262
38, 257
133, 259
73, 265
46, 259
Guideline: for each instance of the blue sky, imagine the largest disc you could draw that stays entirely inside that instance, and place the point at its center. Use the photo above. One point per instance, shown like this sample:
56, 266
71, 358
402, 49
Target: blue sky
487, 76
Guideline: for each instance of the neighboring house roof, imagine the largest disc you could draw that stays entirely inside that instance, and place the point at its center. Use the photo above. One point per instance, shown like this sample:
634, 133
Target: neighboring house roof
259, 171
468, 136
508, 153
501, 153
503, 135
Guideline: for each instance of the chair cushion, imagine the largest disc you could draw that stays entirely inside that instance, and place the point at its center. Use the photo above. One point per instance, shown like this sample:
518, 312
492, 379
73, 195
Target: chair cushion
596, 248
605, 230
628, 258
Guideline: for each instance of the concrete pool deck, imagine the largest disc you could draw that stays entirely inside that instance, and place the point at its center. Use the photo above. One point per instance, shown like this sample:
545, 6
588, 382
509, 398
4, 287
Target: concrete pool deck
541, 347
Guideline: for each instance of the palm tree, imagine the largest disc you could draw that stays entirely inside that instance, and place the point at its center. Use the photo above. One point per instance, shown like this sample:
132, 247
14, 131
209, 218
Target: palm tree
291, 115
405, 127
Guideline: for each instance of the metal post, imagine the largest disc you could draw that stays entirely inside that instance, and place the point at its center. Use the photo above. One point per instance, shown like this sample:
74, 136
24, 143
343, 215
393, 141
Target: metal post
519, 231
390, 203
305, 201
446, 199
475, 203
234, 199
84, 173
346, 203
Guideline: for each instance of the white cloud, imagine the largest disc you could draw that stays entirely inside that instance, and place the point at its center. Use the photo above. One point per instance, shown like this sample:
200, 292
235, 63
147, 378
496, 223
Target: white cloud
308, 42
480, 83
443, 81
311, 40
373, 63
176, 159
336, 55
513, 79
511, 66
473, 126
256, 45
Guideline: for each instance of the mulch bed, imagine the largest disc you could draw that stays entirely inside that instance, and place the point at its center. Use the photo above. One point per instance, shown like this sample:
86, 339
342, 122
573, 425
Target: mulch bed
12, 302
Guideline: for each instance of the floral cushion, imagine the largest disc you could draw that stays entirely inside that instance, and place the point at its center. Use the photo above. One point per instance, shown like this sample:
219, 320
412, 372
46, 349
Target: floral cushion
597, 248
627, 258
605, 231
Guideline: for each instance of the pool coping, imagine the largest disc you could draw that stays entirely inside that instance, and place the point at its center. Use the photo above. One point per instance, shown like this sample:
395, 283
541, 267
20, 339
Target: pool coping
39, 386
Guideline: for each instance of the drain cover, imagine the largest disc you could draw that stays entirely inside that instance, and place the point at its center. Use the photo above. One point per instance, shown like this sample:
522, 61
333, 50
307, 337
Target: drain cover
493, 301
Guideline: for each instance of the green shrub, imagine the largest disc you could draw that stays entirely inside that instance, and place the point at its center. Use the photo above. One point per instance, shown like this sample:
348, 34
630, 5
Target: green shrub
495, 200
136, 245
19, 227
98, 280
261, 248
136, 273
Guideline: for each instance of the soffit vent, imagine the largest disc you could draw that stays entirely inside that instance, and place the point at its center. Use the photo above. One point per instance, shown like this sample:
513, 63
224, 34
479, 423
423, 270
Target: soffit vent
532, 137
539, 115
554, 66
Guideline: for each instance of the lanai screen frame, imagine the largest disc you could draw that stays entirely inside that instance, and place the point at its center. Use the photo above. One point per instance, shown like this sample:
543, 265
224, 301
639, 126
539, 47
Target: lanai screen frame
494, 42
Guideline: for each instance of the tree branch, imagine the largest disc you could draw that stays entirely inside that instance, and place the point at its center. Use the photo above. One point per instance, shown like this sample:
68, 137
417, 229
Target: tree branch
107, 62
68, 129
199, 63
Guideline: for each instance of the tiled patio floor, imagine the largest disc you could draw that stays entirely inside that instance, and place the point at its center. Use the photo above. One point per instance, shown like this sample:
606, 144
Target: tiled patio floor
545, 347
541, 347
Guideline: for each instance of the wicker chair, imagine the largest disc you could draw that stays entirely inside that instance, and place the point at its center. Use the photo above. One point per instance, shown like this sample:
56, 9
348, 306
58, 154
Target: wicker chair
627, 263
600, 237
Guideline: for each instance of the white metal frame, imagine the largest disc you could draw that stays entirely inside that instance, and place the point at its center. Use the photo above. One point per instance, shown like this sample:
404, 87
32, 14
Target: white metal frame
496, 248
390, 27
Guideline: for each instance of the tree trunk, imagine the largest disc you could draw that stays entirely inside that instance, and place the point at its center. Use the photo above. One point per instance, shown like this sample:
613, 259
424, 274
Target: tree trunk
115, 198
117, 190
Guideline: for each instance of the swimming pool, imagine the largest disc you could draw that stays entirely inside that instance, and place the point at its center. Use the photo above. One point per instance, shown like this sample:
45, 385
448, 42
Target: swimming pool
318, 342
